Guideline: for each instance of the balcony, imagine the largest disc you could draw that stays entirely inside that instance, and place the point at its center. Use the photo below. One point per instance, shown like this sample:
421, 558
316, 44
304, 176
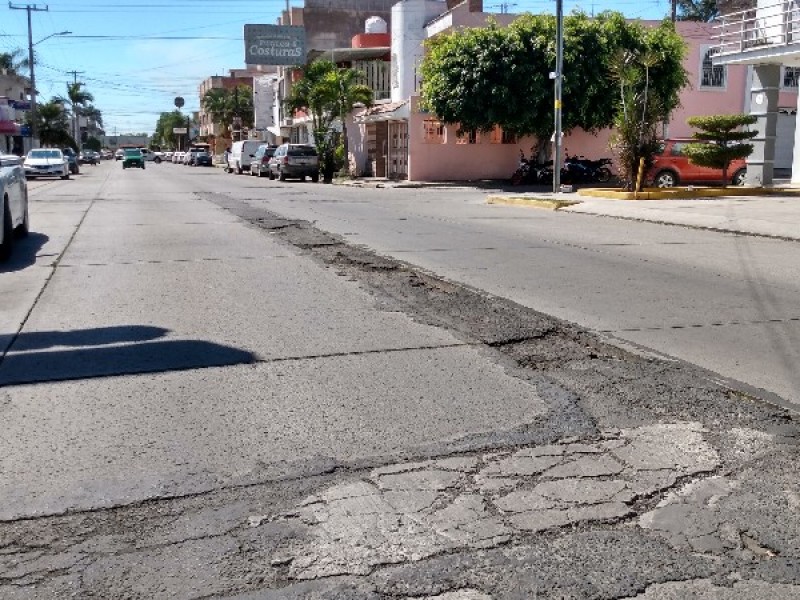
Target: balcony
767, 34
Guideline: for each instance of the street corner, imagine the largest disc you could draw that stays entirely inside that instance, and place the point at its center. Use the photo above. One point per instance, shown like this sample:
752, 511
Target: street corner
407, 512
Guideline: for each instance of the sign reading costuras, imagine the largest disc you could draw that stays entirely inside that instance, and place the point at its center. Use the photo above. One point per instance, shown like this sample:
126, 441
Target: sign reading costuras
274, 45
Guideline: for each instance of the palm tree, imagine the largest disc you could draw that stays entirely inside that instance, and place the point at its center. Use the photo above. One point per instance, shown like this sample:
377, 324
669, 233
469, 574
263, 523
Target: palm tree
52, 124
327, 93
13, 62
76, 99
349, 93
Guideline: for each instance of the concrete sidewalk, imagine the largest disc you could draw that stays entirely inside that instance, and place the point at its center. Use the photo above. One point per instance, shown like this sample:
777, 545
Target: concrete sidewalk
771, 216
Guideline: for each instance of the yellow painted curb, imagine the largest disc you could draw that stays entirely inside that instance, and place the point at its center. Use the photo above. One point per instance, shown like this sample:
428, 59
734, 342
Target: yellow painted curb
685, 193
546, 203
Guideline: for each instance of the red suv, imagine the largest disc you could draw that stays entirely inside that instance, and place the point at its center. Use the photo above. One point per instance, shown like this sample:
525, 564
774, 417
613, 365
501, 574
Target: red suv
671, 167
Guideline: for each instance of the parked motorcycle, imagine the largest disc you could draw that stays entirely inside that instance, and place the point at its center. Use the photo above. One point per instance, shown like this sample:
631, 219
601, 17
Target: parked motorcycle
589, 170
530, 172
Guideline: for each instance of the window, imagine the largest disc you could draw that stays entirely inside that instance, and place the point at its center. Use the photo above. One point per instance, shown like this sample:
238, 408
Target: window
496, 135
467, 137
711, 76
791, 75
509, 138
433, 131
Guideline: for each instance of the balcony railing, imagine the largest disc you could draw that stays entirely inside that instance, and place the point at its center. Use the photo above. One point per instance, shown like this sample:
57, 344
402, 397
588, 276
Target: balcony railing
771, 25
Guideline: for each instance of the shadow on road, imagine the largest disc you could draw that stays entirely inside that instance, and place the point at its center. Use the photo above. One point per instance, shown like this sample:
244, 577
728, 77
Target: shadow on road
107, 351
23, 254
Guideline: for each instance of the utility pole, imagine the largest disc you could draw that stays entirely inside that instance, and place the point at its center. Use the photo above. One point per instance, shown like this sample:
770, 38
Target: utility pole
558, 76
76, 128
31, 8
674, 10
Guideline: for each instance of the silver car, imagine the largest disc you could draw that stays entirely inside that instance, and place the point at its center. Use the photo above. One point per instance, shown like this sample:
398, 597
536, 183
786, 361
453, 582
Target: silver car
46, 162
14, 193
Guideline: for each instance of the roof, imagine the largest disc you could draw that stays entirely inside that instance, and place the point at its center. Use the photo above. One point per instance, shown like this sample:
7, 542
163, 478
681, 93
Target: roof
387, 111
349, 54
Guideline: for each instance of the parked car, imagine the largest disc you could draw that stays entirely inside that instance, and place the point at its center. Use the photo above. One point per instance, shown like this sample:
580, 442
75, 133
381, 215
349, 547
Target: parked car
119, 154
72, 158
14, 197
259, 165
672, 167
187, 158
106, 154
133, 158
241, 155
294, 160
46, 162
201, 158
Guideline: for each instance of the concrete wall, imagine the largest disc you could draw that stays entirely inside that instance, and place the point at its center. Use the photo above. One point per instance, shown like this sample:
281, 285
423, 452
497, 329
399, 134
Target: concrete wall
333, 23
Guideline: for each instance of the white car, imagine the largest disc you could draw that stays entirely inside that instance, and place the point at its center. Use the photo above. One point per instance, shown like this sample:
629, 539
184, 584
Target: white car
14, 194
46, 162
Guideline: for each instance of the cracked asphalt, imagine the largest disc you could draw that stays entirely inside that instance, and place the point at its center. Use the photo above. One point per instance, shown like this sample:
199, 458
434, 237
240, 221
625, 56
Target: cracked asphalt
630, 475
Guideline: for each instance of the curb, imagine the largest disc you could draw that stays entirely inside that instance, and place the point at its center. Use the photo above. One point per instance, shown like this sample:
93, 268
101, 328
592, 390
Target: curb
685, 193
545, 203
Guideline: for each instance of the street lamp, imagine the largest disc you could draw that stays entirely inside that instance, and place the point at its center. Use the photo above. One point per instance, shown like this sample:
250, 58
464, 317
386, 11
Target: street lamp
31, 44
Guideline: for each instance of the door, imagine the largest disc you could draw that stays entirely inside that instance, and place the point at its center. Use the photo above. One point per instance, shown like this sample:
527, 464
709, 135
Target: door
398, 149
784, 138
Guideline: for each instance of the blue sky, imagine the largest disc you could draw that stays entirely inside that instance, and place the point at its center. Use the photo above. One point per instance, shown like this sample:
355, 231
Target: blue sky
135, 56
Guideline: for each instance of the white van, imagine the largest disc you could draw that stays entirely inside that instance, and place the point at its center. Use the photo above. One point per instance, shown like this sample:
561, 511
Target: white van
240, 155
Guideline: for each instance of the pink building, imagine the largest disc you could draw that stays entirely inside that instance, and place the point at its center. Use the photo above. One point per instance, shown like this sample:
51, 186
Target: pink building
408, 143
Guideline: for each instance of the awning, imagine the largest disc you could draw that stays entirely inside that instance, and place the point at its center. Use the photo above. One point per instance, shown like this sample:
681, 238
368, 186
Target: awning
9, 128
390, 111
349, 54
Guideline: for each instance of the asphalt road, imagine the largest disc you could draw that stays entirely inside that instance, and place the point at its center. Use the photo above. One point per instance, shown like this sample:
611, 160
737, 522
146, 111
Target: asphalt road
206, 396
726, 302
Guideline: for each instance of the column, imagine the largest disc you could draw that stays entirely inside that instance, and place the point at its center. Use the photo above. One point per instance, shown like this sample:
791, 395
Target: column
763, 105
796, 151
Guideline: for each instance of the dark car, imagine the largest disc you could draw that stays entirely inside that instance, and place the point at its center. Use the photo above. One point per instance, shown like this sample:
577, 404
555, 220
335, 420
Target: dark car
88, 157
72, 159
672, 167
133, 158
296, 161
260, 163
201, 158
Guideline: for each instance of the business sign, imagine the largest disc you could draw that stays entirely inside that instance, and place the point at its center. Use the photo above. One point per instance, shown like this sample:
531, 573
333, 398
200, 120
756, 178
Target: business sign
274, 45
179, 130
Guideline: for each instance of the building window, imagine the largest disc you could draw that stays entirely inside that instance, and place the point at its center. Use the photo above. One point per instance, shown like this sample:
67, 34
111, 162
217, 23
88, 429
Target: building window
509, 138
791, 75
496, 136
467, 137
433, 131
711, 75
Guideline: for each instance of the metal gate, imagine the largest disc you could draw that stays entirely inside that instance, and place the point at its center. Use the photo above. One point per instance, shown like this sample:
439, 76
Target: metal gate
398, 149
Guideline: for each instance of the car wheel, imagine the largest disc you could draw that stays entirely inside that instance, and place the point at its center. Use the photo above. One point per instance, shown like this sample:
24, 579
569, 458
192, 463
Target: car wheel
740, 177
281, 176
271, 175
666, 179
5, 245
24, 229
157, 160
238, 169
315, 177
66, 176
603, 174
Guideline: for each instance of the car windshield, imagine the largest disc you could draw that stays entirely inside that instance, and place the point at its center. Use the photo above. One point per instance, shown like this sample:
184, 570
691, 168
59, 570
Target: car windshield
302, 151
44, 154
133, 153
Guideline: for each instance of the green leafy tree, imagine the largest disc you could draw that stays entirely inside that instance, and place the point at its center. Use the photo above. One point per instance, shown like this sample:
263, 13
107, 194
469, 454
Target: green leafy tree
698, 10
224, 104
480, 78
92, 143
327, 93
720, 141
52, 124
163, 135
